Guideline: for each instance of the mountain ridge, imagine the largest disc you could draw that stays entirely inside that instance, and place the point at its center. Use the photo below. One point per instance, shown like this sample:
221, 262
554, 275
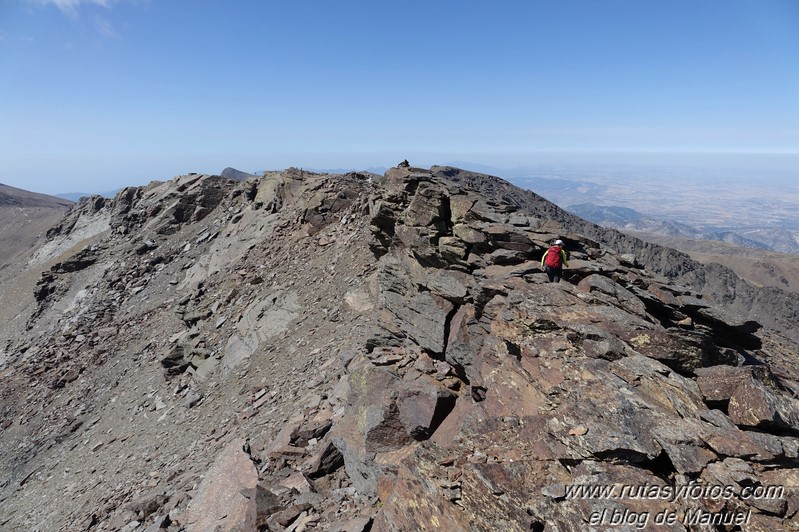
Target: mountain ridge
760, 268
357, 351
24, 217
17, 197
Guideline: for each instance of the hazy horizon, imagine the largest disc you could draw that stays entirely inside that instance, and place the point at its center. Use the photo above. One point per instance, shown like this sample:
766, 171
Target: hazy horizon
98, 94
735, 166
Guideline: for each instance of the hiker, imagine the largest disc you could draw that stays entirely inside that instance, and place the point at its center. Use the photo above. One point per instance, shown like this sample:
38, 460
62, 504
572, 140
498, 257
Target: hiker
553, 261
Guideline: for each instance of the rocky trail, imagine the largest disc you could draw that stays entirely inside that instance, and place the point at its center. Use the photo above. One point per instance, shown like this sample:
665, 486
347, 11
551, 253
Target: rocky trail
303, 351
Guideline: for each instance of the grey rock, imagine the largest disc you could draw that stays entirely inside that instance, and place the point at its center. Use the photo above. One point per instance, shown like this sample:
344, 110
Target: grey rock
452, 249
422, 315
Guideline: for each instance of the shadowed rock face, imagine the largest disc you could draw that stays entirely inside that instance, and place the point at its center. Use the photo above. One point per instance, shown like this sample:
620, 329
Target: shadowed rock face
383, 352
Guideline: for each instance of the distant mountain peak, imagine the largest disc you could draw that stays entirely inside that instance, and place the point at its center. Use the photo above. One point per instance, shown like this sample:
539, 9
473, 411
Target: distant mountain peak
236, 175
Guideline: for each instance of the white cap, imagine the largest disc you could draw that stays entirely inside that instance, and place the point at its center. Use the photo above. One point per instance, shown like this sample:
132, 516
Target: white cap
558, 242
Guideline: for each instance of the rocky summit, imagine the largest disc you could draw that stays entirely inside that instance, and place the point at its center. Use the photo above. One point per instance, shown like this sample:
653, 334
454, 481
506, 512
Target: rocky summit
302, 351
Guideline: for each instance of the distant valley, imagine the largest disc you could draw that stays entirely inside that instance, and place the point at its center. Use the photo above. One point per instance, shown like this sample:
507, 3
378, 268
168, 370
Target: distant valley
630, 220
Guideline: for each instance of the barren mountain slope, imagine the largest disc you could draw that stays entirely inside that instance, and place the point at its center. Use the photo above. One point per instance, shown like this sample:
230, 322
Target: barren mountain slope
16, 197
761, 268
24, 216
354, 352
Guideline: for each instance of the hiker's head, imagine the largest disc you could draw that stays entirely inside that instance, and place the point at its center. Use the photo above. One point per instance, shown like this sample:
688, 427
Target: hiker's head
558, 242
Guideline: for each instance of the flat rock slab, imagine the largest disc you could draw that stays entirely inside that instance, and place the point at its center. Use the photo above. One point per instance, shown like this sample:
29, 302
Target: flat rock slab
219, 502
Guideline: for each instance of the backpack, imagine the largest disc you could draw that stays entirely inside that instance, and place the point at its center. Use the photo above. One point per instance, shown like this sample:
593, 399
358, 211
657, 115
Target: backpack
554, 259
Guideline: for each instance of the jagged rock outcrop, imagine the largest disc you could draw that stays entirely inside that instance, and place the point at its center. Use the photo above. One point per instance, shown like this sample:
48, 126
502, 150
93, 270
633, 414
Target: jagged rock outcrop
373, 352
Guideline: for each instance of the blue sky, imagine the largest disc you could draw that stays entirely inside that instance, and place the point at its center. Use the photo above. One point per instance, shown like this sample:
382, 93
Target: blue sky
102, 93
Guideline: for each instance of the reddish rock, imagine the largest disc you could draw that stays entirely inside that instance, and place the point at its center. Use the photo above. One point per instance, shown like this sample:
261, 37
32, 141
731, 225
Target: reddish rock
662, 293
508, 392
423, 405
324, 461
314, 428
789, 480
469, 234
718, 383
516, 269
766, 523
417, 502
465, 338
356, 524
265, 503
427, 206
737, 443
297, 481
410, 338
219, 501
753, 404
371, 424
289, 515
281, 444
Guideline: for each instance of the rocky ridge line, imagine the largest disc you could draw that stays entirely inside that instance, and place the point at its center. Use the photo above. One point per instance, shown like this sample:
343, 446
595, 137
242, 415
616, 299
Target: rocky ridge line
344, 352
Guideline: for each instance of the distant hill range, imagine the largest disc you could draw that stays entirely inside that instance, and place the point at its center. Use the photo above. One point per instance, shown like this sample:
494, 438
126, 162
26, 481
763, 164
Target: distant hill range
229, 173
370, 170
76, 196
236, 175
760, 260
630, 220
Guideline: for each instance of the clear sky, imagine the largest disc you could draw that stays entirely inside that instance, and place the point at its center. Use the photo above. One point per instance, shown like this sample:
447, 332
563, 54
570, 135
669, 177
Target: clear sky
95, 94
